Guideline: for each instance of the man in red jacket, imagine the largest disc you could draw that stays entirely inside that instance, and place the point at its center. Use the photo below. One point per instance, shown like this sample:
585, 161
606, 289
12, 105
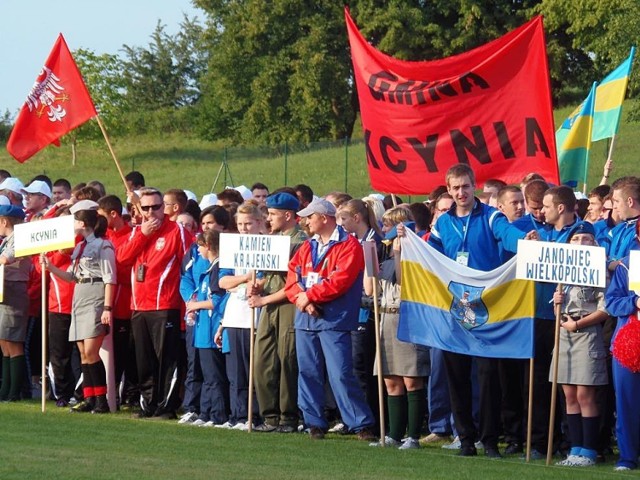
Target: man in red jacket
155, 252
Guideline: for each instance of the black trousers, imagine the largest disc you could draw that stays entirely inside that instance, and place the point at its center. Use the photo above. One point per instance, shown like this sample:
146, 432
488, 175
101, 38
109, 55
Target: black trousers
125, 360
63, 380
157, 335
512, 374
458, 368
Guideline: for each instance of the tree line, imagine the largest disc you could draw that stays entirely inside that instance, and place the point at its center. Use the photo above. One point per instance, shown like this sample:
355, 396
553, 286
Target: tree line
255, 72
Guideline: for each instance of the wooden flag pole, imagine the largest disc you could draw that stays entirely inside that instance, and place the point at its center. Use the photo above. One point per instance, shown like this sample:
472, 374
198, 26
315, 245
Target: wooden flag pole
44, 338
554, 384
251, 360
376, 316
529, 411
135, 201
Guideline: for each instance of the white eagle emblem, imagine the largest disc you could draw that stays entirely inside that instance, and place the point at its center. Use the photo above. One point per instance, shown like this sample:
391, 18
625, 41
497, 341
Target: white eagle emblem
160, 243
45, 94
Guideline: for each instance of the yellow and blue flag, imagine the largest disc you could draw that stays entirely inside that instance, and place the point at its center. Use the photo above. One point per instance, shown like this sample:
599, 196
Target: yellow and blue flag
609, 97
573, 141
459, 309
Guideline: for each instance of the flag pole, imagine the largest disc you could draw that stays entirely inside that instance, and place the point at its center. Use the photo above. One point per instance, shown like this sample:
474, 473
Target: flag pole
554, 384
134, 198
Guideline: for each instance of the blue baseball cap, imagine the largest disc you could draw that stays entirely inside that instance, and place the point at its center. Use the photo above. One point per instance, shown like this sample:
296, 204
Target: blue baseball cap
11, 211
393, 233
283, 201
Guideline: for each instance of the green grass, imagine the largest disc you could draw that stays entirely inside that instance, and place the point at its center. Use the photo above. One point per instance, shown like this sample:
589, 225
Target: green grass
60, 445
174, 161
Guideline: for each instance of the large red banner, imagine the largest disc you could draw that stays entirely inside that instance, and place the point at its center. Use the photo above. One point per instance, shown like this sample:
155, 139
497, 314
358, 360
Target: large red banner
489, 108
57, 103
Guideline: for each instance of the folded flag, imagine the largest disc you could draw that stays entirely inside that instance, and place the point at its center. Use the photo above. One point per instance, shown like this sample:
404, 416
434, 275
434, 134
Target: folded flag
57, 103
609, 97
573, 140
455, 308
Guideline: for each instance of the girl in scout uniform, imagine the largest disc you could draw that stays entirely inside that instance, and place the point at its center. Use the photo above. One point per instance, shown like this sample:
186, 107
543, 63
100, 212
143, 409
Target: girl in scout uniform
93, 269
581, 359
404, 365
14, 306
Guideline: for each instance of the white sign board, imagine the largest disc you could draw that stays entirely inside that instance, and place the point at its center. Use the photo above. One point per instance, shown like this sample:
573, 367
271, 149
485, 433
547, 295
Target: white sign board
44, 236
561, 263
254, 252
634, 271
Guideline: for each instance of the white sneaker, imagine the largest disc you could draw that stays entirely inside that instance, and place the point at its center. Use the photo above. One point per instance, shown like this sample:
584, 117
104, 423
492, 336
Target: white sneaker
198, 422
188, 417
455, 445
338, 428
621, 468
226, 425
388, 442
580, 461
567, 462
209, 424
243, 427
409, 444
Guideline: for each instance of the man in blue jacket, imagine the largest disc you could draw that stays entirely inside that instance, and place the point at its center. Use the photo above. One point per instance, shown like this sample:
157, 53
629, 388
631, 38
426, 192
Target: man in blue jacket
470, 233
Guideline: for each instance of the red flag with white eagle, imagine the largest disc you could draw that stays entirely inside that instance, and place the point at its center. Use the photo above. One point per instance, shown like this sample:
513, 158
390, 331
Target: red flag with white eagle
57, 103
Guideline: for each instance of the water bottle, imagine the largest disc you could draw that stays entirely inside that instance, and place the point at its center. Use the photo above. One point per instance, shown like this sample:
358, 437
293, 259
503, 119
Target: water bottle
190, 317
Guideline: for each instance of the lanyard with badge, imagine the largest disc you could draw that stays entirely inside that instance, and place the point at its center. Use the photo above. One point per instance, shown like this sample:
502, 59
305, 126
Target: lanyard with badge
462, 257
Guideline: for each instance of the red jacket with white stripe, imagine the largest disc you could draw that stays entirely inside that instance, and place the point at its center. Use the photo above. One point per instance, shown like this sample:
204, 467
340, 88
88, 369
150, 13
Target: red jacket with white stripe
161, 255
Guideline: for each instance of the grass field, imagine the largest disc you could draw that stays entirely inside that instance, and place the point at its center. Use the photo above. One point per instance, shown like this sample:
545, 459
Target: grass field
180, 162
60, 445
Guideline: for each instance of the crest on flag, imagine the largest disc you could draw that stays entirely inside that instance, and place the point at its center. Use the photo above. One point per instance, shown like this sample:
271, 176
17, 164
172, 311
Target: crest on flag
467, 306
46, 93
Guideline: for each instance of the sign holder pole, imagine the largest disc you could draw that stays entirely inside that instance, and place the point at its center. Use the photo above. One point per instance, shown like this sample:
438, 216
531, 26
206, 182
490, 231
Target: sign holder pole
554, 384
376, 316
251, 359
43, 312
530, 410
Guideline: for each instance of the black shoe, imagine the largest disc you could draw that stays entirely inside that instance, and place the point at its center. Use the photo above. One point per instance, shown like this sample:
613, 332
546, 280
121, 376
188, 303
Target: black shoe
316, 433
366, 435
101, 405
141, 415
512, 448
468, 451
85, 405
492, 452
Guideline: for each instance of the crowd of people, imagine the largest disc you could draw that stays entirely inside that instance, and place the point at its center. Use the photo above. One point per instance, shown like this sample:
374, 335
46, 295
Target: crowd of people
147, 273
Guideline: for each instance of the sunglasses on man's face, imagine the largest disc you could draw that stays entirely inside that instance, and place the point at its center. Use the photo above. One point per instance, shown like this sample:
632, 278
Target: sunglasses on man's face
146, 208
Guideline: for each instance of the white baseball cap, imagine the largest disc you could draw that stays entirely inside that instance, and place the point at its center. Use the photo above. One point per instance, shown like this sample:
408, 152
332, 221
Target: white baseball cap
13, 184
38, 186
208, 200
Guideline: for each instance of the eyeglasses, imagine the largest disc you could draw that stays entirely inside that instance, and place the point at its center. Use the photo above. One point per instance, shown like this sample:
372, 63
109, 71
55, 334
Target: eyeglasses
146, 208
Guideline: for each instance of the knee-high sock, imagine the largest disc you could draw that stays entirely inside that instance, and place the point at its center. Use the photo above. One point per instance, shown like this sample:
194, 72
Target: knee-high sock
575, 431
87, 382
6, 378
416, 404
397, 415
18, 372
99, 377
590, 430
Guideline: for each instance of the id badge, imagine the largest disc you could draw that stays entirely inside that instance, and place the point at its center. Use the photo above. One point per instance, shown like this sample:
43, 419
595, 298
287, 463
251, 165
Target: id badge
463, 258
312, 279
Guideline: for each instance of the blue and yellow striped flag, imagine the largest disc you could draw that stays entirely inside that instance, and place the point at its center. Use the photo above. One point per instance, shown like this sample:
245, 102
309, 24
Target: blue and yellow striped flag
609, 97
456, 308
573, 141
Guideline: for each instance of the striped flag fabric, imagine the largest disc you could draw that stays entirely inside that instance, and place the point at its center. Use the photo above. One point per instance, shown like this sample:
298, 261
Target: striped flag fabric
455, 308
573, 140
609, 97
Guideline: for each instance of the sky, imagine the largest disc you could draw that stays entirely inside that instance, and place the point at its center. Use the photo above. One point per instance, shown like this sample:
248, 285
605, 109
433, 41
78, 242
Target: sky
29, 28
